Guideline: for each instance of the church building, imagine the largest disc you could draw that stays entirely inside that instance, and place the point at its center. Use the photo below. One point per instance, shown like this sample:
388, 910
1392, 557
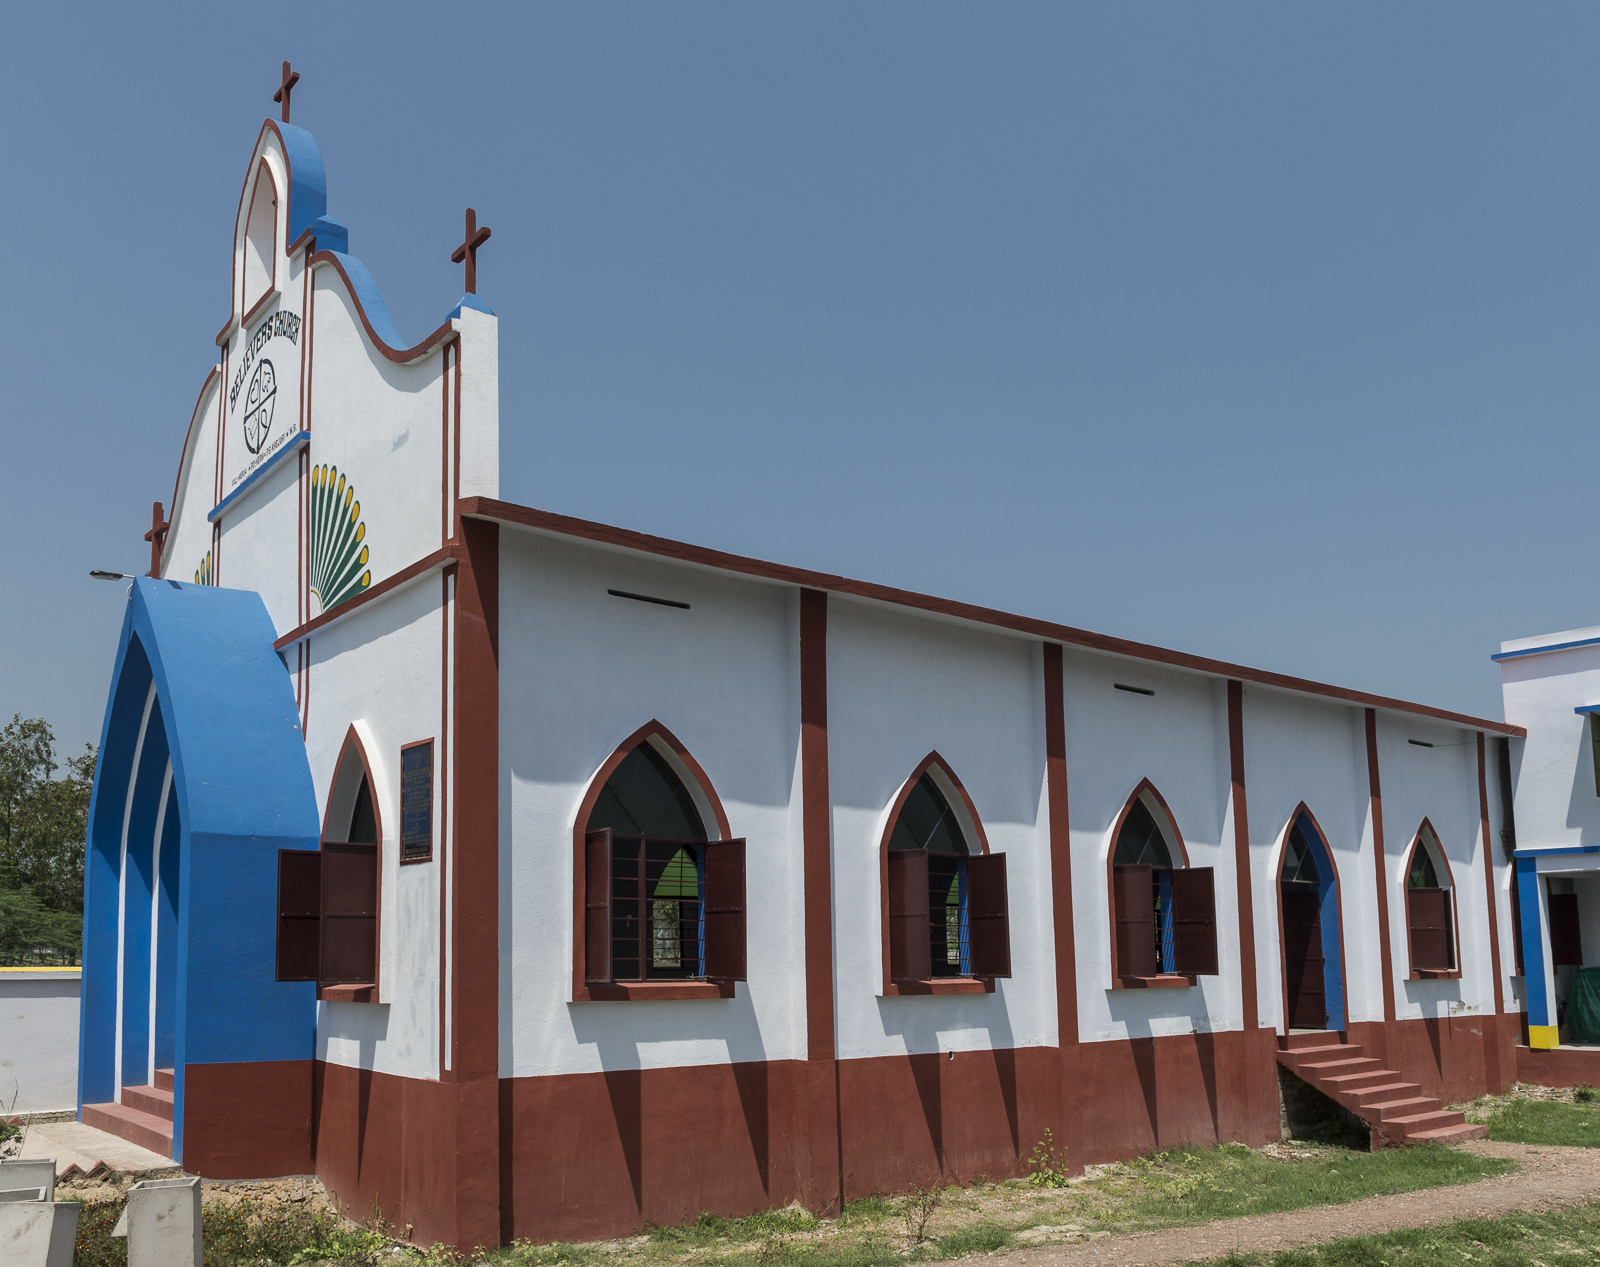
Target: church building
527, 877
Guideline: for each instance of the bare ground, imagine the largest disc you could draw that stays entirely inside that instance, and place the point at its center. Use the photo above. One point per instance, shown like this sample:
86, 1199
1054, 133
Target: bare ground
1549, 1179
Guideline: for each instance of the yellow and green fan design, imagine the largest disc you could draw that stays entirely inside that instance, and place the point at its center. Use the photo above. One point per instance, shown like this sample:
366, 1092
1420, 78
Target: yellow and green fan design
202, 574
338, 539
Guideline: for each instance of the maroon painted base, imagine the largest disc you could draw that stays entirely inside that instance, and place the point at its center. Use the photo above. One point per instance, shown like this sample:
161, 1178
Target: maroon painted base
582, 1156
1563, 1067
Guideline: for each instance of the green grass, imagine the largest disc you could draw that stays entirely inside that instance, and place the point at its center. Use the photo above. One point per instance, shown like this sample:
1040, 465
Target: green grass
1564, 1238
975, 1238
234, 1236
1545, 1122
1192, 1185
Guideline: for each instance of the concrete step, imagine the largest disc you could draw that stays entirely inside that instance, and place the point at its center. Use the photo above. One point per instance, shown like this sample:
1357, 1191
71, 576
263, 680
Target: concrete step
1409, 1127
1393, 1110
1364, 1096
1349, 1084
164, 1079
1320, 1071
1302, 1056
1314, 1038
152, 1100
137, 1127
1451, 1134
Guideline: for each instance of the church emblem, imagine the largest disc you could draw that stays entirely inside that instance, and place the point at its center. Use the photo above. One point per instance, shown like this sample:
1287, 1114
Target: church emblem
263, 395
338, 539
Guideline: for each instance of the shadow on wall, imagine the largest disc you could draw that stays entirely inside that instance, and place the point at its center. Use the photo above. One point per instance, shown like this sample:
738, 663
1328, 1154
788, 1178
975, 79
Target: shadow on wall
1136, 1009
1308, 1114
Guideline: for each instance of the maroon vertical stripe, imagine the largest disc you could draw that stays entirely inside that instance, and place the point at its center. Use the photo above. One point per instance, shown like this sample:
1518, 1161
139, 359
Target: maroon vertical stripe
1379, 863
1491, 1051
1241, 859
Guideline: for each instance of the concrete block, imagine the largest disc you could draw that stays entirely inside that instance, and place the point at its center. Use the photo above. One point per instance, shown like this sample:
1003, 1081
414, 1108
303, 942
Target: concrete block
38, 1233
162, 1223
33, 1172
22, 1194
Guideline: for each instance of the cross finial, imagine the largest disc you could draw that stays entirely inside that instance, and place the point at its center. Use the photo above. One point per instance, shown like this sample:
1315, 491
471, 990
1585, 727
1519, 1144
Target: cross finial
290, 79
467, 252
157, 537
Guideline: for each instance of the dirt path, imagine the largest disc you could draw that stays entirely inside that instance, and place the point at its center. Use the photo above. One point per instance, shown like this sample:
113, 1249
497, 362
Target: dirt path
1549, 1178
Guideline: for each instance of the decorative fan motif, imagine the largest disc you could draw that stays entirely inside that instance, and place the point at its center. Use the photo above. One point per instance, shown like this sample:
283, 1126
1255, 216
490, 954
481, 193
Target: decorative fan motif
202, 574
338, 547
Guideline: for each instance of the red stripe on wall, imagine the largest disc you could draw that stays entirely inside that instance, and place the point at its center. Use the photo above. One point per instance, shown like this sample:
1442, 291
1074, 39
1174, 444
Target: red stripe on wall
1380, 869
1068, 1113
1494, 1061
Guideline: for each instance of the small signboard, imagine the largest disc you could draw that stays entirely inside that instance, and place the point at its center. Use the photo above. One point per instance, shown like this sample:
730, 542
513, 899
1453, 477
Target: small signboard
416, 802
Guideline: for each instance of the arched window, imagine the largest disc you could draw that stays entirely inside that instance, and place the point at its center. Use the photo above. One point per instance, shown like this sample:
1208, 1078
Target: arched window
261, 232
946, 909
1164, 911
328, 899
1309, 921
663, 902
1430, 907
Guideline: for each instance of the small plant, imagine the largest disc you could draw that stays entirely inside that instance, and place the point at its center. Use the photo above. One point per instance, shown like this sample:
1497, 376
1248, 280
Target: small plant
918, 1208
1047, 1164
13, 1134
1585, 1094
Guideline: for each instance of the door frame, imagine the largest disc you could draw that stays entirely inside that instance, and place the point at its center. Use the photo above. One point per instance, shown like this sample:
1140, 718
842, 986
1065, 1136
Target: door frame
1330, 905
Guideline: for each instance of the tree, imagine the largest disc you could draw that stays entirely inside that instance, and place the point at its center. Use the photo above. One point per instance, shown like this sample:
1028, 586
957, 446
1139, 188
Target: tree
43, 826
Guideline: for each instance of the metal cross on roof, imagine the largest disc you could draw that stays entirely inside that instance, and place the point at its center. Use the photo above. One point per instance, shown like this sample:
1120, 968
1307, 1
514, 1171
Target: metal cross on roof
467, 252
290, 79
157, 537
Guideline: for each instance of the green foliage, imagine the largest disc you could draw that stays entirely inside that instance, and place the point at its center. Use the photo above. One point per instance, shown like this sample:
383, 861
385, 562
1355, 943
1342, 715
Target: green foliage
710, 1228
975, 1238
1585, 1094
237, 1235
1546, 1122
1564, 1238
43, 826
1185, 1185
867, 1209
1047, 1164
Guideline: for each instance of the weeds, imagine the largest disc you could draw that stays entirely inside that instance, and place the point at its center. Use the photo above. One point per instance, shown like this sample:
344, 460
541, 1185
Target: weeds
917, 1208
1047, 1164
1542, 1122
1584, 1094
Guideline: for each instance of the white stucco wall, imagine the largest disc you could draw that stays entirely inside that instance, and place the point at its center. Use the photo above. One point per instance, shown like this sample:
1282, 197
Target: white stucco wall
580, 671
38, 1041
1553, 769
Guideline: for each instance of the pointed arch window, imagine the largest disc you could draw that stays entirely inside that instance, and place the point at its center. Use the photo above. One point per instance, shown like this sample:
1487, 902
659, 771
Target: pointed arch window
328, 898
1430, 908
1164, 919
946, 914
662, 901
261, 241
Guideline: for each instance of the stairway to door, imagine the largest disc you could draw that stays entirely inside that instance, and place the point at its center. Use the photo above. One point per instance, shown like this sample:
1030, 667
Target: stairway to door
1396, 1110
144, 1117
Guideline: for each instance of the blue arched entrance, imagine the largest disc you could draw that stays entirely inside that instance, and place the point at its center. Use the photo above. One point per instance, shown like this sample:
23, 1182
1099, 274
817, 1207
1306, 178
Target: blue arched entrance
1313, 951
202, 779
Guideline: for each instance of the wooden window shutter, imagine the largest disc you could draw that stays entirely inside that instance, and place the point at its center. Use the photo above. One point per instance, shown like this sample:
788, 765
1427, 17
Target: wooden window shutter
299, 914
1194, 921
1133, 892
597, 907
725, 910
349, 913
910, 955
988, 916
1428, 913
1566, 942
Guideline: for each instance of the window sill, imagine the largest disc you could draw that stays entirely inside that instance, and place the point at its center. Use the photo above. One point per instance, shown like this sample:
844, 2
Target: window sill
358, 992
641, 991
1434, 974
1161, 981
940, 985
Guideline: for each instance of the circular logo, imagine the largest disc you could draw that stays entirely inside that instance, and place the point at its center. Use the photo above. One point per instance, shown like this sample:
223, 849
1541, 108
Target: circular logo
258, 406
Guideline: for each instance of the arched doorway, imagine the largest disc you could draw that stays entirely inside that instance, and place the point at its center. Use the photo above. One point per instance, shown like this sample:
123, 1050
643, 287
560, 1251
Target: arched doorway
1308, 905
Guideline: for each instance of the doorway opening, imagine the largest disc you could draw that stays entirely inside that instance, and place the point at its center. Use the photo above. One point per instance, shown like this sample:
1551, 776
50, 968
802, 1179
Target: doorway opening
1308, 904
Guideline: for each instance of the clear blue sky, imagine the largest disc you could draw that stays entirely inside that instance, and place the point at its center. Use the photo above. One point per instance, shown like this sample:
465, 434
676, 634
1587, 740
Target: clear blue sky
1263, 331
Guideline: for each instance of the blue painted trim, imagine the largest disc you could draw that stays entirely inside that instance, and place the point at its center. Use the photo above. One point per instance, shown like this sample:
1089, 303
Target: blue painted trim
331, 235
1532, 941
469, 301
1554, 646
1587, 708
366, 291
308, 182
294, 446
1328, 921
1557, 851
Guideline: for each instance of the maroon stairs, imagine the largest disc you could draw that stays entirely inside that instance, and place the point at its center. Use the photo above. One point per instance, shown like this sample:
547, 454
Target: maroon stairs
1395, 1109
144, 1117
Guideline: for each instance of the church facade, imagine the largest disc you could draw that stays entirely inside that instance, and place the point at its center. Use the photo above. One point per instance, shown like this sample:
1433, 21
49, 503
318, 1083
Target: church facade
526, 877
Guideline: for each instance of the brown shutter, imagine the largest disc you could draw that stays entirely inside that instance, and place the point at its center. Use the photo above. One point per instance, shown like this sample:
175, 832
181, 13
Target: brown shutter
1194, 921
299, 914
988, 916
725, 910
1566, 943
1427, 911
349, 914
597, 907
910, 957
1133, 891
